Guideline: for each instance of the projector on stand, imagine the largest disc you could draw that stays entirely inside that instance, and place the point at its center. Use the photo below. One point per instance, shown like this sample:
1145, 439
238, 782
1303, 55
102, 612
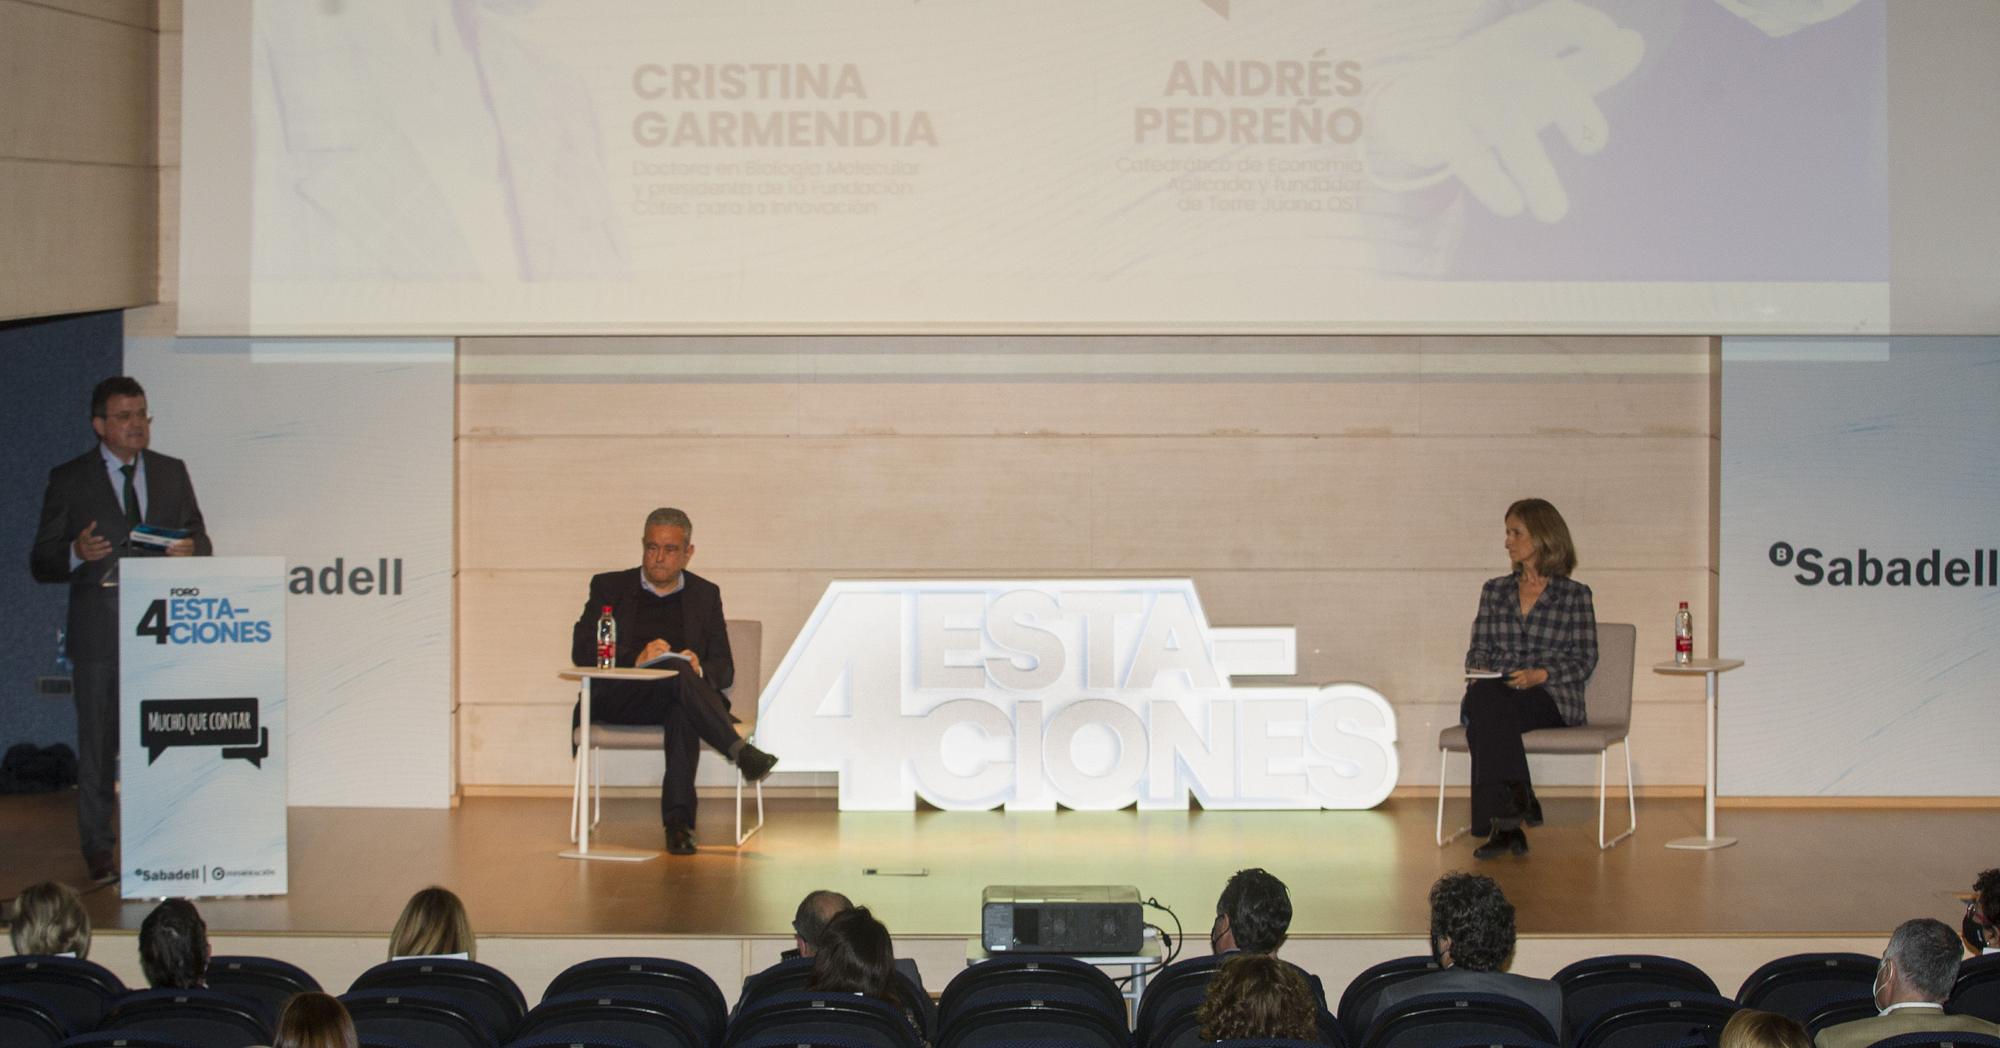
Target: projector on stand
1099, 919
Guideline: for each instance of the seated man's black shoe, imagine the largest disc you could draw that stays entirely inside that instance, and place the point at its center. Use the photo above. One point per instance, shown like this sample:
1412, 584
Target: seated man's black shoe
1534, 816
680, 840
103, 868
1503, 842
754, 763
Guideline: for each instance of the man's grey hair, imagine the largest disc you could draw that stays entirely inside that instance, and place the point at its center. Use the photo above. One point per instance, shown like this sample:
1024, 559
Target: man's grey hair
672, 518
1926, 952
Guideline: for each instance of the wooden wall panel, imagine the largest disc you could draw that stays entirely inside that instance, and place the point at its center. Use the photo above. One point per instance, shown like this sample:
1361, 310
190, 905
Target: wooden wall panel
79, 237
1357, 499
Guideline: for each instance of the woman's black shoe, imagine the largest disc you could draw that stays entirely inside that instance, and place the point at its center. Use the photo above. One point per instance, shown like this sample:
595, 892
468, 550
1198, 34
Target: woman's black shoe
1503, 842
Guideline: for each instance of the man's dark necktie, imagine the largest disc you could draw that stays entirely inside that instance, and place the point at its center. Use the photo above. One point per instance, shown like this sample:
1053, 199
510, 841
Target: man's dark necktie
131, 493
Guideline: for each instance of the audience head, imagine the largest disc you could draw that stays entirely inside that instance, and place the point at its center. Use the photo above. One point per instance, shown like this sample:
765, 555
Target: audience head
1982, 913
1258, 995
1920, 964
1555, 553
433, 923
173, 946
1252, 914
855, 955
809, 923
1472, 923
314, 1020
1751, 1028
49, 919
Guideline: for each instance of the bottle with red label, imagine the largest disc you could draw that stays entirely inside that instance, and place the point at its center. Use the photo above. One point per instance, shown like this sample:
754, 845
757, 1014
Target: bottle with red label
607, 639
1683, 635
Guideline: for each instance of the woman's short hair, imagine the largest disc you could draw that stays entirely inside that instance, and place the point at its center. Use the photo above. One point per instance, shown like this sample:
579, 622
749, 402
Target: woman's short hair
48, 919
1555, 552
173, 946
855, 955
1473, 913
1258, 995
314, 1020
433, 922
1751, 1028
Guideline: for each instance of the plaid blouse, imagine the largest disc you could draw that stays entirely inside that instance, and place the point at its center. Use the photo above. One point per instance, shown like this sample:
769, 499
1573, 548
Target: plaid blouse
1559, 635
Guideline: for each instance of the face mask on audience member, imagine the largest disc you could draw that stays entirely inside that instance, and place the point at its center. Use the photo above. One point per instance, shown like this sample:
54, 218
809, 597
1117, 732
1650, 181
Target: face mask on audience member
1881, 969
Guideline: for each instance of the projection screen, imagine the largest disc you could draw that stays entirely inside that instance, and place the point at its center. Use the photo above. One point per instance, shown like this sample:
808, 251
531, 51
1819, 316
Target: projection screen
414, 167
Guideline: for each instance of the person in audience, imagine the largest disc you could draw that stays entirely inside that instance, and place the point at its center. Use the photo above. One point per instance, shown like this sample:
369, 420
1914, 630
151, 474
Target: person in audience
1537, 630
809, 921
1751, 1028
173, 947
1472, 936
49, 919
432, 924
1981, 933
1911, 985
1258, 995
1253, 915
855, 955
314, 1020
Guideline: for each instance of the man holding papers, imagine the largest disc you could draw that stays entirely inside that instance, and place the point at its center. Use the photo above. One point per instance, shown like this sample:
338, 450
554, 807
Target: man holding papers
672, 617
118, 499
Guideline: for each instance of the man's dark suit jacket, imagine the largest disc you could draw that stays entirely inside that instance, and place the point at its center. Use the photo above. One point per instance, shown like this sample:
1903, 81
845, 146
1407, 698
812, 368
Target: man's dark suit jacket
80, 491
701, 619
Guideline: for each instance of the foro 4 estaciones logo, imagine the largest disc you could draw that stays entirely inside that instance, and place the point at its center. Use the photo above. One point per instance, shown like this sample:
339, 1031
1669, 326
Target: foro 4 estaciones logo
1088, 693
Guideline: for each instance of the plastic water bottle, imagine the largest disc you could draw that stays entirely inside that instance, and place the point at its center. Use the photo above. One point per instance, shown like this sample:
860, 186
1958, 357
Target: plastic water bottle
607, 639
1683, 635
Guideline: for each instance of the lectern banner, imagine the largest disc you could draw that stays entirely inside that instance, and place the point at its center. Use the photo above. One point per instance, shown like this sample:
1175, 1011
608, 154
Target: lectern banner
202, 726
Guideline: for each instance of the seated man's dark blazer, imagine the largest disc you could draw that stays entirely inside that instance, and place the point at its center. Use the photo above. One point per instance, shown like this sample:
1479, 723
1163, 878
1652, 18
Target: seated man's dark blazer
701, 619
1541, 994
80, 492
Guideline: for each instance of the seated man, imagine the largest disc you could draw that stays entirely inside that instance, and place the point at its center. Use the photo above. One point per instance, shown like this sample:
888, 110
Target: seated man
1981, 927
1253, 915
809, 927
173, 947
1472, 936
661, 607
1911, 985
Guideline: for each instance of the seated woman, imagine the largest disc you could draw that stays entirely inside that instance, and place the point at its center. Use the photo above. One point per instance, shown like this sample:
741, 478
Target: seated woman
1537, 630
49, 920
173, 947
1258, 995
855, 955
1751, 1028
314, 1020
433, 924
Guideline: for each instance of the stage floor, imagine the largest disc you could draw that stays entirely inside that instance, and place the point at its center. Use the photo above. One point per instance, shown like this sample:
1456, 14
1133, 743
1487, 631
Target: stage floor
1809, 873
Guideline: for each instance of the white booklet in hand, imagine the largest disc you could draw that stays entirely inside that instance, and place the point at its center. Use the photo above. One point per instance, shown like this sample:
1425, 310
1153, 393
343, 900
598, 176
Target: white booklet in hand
154, 537
1483, 674
663, 661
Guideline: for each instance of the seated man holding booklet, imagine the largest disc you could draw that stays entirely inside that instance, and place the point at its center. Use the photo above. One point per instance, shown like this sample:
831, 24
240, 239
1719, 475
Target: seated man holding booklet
670, 618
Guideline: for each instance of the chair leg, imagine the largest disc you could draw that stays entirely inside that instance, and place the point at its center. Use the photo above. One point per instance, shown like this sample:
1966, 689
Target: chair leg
1444, 759
576, 797
1630, 799
740, 835
597, 771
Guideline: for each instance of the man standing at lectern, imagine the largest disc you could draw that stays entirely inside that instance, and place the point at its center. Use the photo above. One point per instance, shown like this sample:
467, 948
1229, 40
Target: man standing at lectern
661, 607
88, 512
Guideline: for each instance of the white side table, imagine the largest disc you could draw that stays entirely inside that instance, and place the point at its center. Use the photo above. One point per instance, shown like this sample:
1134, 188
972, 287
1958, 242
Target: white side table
583, 675
1708, 668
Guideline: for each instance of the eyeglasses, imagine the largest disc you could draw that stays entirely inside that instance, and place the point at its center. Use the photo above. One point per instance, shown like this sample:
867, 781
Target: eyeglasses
123, 417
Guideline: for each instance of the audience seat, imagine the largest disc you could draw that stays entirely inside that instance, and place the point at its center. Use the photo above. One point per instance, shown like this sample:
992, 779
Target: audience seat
1359, 998
803, 1017
1607, 701
1019, 978
687, 988
1801, 984
1836, 1012
1438, 1018
129, 1039
484, 991
1595, 983
789, 976
264, 981
415, 1017
204, 1017
1646, 1022
1184, 1031
650, 1021
1938, 1040
574, 1042
1177, 988
1978, 989
1074, 1017
27, 1021
80, 991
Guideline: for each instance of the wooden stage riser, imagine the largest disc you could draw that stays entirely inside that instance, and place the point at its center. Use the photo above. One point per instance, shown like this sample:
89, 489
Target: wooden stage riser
533, 962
